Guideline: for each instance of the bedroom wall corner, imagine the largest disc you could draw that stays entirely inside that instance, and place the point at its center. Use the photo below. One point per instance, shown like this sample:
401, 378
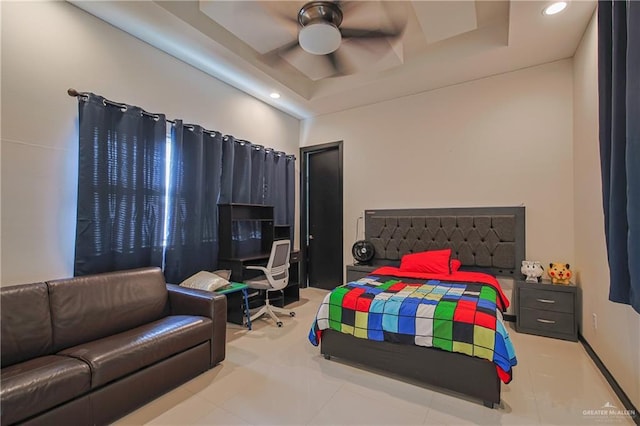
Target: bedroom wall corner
616, 339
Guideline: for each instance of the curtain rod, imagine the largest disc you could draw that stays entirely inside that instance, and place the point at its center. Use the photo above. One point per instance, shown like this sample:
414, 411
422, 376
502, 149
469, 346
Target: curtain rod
75, 94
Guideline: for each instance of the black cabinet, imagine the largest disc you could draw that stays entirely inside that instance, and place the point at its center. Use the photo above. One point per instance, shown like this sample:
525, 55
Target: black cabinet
254, 217
291, 292
547, 310
256, 221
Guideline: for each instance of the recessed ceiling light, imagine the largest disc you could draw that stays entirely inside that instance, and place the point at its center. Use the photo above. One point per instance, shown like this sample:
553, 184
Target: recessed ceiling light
275, 95
554, 8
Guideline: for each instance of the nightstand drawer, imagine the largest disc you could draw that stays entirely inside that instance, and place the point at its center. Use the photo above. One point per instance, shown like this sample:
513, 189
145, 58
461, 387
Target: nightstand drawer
548, 300
546, 321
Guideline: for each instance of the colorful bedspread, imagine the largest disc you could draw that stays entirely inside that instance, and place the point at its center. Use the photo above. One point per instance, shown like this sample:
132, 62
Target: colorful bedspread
450, 315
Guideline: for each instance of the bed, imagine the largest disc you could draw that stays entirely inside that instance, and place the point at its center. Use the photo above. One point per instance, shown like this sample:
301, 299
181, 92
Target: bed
487, 242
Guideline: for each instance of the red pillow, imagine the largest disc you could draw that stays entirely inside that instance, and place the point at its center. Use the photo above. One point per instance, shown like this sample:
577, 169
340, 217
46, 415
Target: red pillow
432, 261
455, 265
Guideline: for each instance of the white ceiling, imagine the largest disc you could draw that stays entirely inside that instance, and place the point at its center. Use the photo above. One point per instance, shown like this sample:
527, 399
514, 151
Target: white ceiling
443, 43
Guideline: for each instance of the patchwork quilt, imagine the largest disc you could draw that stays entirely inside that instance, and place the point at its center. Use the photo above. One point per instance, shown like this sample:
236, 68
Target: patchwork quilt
453, 316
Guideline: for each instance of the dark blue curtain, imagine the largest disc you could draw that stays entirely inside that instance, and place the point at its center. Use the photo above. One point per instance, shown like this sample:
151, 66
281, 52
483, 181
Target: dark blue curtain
258, 163
192, 226
121, 187
619, 97
291, 195
276, 185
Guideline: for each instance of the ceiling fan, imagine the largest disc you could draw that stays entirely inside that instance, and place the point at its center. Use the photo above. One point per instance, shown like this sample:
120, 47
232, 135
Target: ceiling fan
320, 32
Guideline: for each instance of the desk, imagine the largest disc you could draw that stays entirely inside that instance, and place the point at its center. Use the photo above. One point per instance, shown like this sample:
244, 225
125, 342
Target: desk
234, 288
237, 265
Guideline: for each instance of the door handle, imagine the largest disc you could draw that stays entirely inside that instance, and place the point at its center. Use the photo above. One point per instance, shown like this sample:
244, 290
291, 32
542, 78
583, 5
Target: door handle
311, 237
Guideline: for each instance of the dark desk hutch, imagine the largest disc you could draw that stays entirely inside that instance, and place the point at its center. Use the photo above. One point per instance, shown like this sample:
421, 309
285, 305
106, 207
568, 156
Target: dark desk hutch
234, 257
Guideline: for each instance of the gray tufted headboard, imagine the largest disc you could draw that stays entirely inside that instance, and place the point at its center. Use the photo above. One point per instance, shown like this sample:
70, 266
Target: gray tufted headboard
489, 237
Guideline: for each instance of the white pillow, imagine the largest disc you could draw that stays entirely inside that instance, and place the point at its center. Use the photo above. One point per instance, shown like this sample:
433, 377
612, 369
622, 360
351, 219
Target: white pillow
224, 273
204, 280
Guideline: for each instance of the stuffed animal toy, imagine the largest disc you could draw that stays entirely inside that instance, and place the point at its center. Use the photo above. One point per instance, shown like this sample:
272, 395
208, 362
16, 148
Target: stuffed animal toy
532, 269
559, 273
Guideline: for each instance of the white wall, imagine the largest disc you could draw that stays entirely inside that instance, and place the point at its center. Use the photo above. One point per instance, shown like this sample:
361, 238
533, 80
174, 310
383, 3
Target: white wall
618, 326
48, 47
505, 140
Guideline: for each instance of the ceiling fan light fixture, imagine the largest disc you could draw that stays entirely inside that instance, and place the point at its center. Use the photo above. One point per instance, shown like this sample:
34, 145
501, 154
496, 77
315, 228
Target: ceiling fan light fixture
320, 38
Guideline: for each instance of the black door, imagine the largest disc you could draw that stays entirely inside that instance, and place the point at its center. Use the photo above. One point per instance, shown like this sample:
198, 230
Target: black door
322, 214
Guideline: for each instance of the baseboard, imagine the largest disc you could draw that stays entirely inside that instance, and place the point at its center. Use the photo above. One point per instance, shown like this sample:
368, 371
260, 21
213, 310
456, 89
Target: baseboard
628, 405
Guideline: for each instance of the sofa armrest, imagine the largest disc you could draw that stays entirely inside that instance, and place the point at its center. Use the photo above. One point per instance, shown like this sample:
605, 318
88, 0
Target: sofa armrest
187, 301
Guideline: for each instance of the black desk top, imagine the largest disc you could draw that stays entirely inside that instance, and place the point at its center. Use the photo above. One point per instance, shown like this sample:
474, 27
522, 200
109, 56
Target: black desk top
252, 257
249, 258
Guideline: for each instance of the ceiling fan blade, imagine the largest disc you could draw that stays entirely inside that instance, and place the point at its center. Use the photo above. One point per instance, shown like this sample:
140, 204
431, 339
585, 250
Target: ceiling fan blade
370, 45
276, 55
393, 23
338, 63
360, 33
349, 6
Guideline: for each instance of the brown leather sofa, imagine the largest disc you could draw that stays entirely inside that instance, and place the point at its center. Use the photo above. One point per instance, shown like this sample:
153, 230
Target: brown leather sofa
90, 349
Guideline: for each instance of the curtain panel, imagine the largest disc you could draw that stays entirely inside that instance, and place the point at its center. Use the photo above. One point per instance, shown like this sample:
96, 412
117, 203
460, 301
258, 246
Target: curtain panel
619, 119
195, 183
121, 187
145, 199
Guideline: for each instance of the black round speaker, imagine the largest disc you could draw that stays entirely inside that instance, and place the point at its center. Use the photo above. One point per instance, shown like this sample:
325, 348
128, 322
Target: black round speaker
363, 251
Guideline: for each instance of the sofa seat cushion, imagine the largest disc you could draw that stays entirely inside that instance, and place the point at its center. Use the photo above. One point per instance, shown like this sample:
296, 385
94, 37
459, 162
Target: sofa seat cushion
116, 356
39, 384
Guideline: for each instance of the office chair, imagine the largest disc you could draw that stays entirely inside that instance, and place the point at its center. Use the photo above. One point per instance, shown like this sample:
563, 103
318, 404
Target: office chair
275, 278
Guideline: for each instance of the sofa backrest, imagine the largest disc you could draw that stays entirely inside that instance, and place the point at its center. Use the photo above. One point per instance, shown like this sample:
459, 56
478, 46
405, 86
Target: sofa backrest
90, 307
25, 323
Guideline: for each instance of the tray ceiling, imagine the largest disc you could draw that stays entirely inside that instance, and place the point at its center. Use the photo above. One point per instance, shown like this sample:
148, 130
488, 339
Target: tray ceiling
443, 43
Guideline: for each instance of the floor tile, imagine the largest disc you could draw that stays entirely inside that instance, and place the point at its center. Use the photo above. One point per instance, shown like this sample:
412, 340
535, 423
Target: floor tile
280, 402
353, 408
449, 408
220, 416
190, 411
155, 408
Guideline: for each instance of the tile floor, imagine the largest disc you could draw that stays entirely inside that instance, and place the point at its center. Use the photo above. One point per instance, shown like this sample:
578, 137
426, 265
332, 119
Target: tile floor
274, 376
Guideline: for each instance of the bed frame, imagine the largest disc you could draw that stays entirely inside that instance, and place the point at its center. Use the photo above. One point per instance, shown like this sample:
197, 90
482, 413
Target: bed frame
491, 238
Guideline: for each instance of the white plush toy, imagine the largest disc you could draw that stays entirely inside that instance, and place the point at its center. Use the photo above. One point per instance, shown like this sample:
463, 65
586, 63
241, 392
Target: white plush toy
532, 269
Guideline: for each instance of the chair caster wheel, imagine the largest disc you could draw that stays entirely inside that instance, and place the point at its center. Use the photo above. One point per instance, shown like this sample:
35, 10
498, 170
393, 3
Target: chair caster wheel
279, 323
292, 314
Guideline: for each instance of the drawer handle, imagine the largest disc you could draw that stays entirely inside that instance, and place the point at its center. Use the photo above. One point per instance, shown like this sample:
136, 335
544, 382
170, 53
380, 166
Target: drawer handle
544, 321
546, 300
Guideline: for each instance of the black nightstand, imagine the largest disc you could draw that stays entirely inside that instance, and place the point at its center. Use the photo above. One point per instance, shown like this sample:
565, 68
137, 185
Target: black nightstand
546, 309
355, 272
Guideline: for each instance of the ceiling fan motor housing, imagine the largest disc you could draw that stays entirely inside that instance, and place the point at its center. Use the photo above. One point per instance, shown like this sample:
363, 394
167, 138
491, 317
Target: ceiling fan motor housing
319, 34
316, 11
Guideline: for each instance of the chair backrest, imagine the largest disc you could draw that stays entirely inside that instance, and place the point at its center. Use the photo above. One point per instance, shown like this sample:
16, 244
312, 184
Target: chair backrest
278, 266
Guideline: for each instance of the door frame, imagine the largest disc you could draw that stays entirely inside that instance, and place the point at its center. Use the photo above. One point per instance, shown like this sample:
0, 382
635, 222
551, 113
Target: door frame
304, 208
